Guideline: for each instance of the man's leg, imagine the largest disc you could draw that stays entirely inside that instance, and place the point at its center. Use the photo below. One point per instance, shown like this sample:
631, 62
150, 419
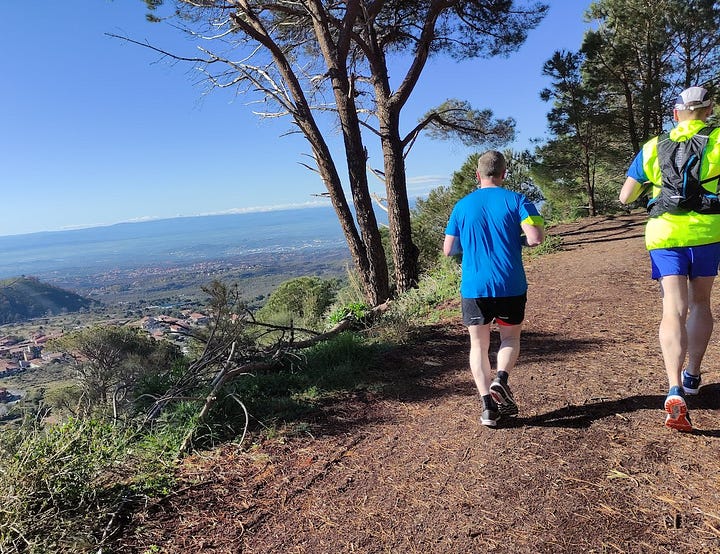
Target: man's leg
480, 357
699, 322
507, 356
673, 332
674, 345
481, 372
509, 346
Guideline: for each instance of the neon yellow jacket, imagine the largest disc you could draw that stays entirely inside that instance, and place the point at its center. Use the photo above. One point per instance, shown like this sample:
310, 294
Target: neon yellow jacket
690, 229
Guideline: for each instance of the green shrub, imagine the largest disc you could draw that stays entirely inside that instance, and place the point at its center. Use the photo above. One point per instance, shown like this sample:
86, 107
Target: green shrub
303, 300
341, 364
420, 305
357, 311
65, 486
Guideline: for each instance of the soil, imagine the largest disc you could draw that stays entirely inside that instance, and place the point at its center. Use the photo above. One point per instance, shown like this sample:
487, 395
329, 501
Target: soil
587, 466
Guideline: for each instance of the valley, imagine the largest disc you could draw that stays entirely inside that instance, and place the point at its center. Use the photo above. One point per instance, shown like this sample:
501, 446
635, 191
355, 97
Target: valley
29, 372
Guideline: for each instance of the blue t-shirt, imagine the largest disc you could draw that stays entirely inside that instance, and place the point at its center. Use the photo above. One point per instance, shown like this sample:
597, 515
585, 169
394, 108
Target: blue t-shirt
487, 222
636, 169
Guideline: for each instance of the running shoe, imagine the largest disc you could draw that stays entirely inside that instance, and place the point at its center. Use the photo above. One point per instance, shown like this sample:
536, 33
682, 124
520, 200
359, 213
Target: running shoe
677, 413
691, 383
509, 409
502, 394
489, 417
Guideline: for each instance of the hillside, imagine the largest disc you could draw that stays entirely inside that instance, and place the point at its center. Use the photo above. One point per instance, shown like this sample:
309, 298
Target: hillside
405, 467
24, 298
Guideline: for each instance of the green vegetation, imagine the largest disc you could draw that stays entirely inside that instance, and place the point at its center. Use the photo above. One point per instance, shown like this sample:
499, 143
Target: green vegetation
303, 300
65, 487
135, 405
357, 311
23, 298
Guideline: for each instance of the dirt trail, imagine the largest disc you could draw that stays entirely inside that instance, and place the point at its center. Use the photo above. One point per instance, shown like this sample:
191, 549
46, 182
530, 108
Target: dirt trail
587, 466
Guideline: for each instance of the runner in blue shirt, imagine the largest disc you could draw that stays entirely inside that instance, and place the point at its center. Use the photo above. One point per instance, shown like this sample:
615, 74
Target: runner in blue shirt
487, 227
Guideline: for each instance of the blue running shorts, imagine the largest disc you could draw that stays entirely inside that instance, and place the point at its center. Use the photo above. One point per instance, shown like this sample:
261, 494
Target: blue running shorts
693, 261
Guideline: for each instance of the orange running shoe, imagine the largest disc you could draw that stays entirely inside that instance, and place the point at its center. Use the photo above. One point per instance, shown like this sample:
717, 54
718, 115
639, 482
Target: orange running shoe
677, 413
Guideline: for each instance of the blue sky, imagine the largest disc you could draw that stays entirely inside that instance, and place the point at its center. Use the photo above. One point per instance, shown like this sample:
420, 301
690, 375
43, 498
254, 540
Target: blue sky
97, 131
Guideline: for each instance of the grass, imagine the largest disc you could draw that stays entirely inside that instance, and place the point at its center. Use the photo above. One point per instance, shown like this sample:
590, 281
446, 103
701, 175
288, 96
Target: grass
286, 399
66, 487
422, 305
552, 243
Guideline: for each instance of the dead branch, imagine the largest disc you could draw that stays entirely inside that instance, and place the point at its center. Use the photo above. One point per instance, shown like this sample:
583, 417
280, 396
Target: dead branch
265, 360
379, 201
209, 401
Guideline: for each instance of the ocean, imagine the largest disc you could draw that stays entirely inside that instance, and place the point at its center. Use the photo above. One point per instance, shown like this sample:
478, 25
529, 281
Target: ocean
182, 240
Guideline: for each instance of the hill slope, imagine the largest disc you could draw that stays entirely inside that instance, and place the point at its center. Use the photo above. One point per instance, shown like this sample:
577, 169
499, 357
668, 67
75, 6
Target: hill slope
24, 298
587, 466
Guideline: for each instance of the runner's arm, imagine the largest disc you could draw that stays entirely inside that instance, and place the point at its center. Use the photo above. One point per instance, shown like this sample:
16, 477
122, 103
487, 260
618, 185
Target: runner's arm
631, 190
534, 234
451, 246
636, 181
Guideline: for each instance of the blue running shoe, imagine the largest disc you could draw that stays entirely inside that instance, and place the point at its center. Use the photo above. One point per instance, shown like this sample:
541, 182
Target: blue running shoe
677, 413
691, 383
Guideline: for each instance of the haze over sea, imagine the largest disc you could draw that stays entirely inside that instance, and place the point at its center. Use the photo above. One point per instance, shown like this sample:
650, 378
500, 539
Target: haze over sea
182, 240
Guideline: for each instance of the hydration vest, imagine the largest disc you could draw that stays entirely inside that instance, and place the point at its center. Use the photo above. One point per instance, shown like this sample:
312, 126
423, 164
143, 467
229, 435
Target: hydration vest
681, 188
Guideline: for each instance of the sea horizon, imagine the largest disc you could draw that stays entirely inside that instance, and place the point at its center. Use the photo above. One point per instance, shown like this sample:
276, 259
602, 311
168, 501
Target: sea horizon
147, 219
168, 241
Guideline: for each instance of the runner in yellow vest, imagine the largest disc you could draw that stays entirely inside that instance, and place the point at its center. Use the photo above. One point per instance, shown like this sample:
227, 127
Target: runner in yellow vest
684, 250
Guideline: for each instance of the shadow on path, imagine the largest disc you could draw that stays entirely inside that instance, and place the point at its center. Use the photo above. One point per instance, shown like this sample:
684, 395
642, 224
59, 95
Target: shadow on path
606, 231
549, 347
579, 417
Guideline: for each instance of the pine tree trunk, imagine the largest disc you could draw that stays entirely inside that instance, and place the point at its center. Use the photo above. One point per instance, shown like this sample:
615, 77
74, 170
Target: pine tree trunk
405, 253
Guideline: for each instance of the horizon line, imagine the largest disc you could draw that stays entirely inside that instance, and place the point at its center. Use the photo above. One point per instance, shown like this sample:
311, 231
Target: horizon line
232, 211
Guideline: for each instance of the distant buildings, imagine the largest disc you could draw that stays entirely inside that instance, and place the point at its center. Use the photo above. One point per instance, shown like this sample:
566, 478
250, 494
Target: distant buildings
17, 356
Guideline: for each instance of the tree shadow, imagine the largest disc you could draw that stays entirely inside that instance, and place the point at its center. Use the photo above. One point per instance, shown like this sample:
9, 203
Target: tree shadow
617, 231
548, 347
617, 223
582, 416
420, 383
604, 239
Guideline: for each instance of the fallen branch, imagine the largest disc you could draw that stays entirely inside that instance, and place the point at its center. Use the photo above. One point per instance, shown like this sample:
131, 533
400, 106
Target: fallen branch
343, 325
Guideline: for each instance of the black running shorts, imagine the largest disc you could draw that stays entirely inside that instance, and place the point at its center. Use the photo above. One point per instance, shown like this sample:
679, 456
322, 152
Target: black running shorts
506, 310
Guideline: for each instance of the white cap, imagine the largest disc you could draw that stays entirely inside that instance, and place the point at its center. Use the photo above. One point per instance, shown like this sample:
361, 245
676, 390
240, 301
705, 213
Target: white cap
693, 98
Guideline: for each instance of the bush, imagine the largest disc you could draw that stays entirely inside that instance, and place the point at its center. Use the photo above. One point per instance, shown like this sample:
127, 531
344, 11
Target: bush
419, 306
303, 300
357, 311
65, 487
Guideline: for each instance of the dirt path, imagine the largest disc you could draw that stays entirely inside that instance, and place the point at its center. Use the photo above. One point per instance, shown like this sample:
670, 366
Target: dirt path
587, 467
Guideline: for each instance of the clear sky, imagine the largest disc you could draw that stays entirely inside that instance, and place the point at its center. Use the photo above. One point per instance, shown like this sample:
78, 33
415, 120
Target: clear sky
97, 131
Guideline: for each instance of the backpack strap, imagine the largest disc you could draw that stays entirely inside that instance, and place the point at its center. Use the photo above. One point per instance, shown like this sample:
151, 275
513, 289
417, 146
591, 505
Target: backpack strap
707, 131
